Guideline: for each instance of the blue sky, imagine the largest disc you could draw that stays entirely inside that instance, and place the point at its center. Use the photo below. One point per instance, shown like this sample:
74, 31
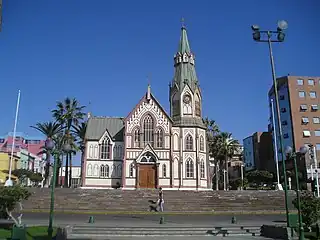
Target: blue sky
102, 52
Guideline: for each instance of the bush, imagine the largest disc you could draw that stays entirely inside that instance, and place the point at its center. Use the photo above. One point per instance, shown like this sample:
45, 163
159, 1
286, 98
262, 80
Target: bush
310, 208
9, 197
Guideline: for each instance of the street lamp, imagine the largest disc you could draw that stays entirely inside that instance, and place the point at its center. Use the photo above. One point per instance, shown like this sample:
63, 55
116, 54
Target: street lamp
302, 151
269, 37
49, 144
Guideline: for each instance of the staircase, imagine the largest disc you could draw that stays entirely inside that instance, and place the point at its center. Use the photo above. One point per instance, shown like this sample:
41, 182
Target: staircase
101, 232
100, 200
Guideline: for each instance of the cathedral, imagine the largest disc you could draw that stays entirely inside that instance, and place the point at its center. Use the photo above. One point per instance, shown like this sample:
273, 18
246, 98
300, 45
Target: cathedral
151, 148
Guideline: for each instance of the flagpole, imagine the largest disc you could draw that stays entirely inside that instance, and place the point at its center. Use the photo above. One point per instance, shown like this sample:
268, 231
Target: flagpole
14, 138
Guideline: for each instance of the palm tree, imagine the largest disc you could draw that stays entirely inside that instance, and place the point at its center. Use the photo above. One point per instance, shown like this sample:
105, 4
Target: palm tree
50, 130
69, 113
80, 132
228, 146
212, 130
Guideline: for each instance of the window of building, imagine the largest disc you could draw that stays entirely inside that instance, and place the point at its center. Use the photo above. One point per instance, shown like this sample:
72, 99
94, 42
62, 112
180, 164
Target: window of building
136, 142
314, 107
197, 108
305, 120
202, 169
281, 97
317, 133
284, 122
306, 133
316, 120
318, 146
104, 171
201, 143
131, 170
300, 82
311, 82
302, 94
164, 170
89, 170
105, 149
189, 143
159, 138
148, 130
303, 107
283, 110
189, 169
313, 94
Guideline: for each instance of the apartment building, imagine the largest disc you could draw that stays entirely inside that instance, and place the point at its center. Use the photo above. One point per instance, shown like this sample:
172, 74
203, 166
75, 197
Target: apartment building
299, 112
258, 152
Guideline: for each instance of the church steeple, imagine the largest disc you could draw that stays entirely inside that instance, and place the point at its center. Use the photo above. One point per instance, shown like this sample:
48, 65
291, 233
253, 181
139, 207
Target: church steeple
185, 93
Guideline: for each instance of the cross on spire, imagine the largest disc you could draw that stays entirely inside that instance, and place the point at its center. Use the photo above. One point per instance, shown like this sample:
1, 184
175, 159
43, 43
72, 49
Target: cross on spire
182, 23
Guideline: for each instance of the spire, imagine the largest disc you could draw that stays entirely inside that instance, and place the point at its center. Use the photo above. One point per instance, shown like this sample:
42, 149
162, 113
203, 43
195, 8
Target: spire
184, 61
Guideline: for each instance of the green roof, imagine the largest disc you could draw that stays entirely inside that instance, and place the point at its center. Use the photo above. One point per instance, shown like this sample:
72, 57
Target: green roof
98, 125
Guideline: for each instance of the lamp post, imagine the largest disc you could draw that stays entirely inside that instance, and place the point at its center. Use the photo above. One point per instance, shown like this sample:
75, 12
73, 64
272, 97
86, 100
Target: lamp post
302, 151
268, 37
50, 147
241, 175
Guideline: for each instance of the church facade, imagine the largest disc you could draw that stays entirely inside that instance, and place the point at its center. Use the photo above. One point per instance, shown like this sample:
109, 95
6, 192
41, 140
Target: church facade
151, 148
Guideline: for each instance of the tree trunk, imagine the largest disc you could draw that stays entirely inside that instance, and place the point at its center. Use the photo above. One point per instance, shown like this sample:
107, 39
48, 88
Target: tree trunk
81, 169
66, 171
70, 174
217, 174
227, 172
47, 171
58, 171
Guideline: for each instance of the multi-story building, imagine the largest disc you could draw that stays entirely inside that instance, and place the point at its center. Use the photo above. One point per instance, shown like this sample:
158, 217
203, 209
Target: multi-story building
151, 148
258, 152
75, 176
299, 112
5, 159
22, 141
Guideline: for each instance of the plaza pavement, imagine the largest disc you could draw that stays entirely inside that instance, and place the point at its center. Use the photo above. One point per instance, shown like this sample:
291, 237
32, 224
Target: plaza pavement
186, 238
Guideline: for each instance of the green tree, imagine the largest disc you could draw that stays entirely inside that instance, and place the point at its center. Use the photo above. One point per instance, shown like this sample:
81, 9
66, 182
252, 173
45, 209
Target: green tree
260, 177
50, 130
80, 132
35, 177
69, 113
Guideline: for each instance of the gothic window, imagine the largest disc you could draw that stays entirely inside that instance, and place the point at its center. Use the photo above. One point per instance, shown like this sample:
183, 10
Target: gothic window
95, 151
120, 151
164, 170
197, 105
148, 158
104, 171
136, 142
96, 170
189, 169
91, 151
201, 143
159, 138
131, 170
202, 169
189, 143
119, 170
187, 104
105, 149
148, 130
175, 105
114, 171
89, 170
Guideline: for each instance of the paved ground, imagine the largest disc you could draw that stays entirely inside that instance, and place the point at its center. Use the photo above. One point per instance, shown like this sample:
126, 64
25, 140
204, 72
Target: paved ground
185, 238
152, 220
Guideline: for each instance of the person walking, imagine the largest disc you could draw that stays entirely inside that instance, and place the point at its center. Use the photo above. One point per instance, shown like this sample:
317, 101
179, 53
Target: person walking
160, 200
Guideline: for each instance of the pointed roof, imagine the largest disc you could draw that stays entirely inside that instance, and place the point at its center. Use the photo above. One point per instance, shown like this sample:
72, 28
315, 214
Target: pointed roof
185, 73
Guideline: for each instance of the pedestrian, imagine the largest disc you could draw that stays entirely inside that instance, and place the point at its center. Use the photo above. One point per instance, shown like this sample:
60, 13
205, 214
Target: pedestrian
160, 200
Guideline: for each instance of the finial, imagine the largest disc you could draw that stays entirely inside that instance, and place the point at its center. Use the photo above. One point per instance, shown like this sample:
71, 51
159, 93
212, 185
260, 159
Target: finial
149, 89
182, 23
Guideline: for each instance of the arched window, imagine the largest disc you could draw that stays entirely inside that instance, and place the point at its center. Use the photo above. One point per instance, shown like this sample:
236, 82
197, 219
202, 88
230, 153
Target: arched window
96, 151
202, 169
120, 151
136, 142
164, 170
115, 151
114, 171
89, 170
119, 170
105, 149
159, 137
201, 143
197, 106
189, 143
148, 158
148, 130
187, 104
104, 171
131, 170
189, 169
96, 170
91, 155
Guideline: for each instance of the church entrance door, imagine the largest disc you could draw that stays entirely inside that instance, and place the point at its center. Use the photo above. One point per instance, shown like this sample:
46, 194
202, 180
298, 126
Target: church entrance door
147, 175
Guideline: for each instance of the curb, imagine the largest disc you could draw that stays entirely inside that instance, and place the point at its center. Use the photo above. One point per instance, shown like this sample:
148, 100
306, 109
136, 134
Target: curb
220, 213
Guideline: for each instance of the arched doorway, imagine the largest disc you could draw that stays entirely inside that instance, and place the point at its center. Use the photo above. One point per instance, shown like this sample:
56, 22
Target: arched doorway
148, 171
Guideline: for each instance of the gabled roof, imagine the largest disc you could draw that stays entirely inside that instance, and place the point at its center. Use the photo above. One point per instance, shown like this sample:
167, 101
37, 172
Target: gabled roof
98, 125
